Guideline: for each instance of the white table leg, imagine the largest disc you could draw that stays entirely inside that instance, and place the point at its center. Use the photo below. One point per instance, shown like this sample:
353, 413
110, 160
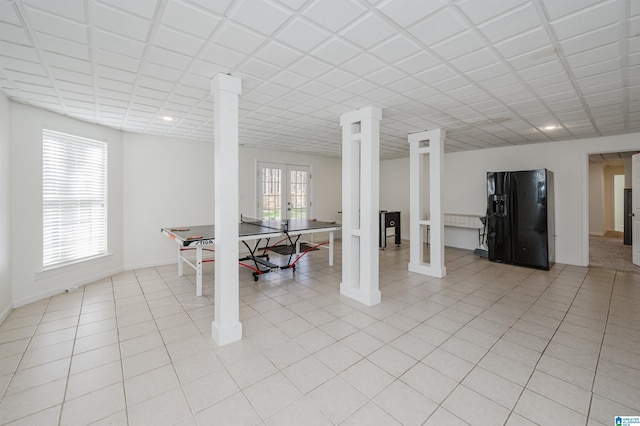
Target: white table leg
198, 270
180, 267
331, 248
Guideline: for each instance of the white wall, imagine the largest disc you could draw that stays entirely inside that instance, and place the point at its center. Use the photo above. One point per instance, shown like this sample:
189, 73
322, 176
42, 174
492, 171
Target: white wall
596, 199
170, 182
6, 297
464, 188
29, 281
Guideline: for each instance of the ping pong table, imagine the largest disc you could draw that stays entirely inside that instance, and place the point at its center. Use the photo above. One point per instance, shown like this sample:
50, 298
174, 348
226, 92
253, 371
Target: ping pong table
250, 229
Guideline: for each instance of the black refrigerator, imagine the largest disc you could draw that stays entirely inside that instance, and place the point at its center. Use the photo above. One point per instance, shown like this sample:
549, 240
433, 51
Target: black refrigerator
520, 225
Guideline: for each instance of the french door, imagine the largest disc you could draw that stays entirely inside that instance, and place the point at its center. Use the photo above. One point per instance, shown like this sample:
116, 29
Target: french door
284, 191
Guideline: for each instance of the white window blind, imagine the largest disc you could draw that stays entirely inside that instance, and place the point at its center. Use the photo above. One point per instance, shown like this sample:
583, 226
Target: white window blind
74, 198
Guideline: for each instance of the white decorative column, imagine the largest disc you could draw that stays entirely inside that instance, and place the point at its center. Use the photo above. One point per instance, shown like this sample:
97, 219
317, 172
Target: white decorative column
431, 144
226, 327
360, 204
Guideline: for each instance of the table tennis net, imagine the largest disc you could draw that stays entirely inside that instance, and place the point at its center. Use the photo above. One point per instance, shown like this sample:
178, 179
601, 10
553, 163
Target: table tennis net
265, 223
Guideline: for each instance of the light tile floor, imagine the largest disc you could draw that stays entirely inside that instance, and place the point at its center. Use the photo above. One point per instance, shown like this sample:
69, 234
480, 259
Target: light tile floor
489, 344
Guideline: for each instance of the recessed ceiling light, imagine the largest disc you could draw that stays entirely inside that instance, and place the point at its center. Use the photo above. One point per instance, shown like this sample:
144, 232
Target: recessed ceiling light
167, 118
553, 127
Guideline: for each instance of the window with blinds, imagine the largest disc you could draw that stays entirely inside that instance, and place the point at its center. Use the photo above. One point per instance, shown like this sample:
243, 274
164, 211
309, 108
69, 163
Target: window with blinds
74, 198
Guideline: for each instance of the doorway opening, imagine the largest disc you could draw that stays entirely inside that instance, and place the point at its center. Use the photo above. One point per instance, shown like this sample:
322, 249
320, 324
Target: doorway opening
609, 238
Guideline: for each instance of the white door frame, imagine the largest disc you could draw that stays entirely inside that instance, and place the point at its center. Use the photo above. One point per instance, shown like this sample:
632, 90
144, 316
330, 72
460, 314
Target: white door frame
285, 190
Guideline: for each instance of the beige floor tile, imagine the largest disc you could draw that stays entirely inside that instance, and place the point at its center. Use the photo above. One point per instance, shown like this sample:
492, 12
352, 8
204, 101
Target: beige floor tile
233, 410
337, 399
93, 406
168, 408
474, 408
31, 401
308, 373
94, 379
404, 404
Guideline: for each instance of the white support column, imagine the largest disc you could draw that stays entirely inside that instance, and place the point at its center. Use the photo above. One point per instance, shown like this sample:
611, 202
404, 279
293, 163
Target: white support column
226, 327
360, 205
430, 143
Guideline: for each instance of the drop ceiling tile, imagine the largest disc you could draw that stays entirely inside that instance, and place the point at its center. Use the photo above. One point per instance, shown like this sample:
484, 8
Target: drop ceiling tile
396, 48
480, 11
177, 41
553, 66
14, 33
116, 61
278, 54
474, 60
71, 9
534, 57
435, 74
337, 78
22, 66
70, 75
524, 43
360, 87
57, 26
121, 23
458, 45
161, 72
404, 85
364, 64
404, 14
548, 80
333, 14
603, 14
315, 88
451, 83
589, 40
594, 56
116, 43
369, 31
235, 37
515, 22
66, 62
289, 79
168, 58
418, 62
438, 26
54, 44
22, 79
263, 16
336, 51
385, 76
302, 34
219, 56
488, 72
309, 67
259, 68
191, 20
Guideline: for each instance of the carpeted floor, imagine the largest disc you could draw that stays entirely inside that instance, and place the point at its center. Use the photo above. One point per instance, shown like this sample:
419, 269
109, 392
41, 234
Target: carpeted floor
609, 252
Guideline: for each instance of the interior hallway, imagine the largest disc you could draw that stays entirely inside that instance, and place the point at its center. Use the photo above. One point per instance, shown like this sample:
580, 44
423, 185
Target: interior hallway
488, 344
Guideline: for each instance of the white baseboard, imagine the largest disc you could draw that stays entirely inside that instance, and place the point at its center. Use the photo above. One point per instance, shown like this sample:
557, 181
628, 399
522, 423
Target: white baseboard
66, 287
5, 313
596, 234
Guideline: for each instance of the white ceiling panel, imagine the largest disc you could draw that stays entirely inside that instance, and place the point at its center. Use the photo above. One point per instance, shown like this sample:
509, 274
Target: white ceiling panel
121, 23
488, 72
55, 25
263, 16
368, 31
407, 12
334, 14
438, 26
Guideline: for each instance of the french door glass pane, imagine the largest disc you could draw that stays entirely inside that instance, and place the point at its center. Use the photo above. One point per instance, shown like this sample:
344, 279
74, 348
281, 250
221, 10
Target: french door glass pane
271, 193
299, 195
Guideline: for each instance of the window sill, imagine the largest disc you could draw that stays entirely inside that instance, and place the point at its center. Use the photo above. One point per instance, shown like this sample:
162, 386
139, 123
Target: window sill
71, 266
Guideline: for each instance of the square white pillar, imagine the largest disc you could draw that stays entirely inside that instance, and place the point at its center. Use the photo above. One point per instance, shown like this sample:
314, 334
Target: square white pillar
360, 205
226, 327
431, 144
